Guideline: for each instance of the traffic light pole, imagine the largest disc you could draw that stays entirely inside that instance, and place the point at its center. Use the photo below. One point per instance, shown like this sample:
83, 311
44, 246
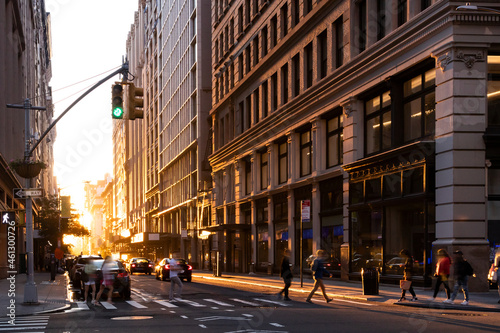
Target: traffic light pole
122, 70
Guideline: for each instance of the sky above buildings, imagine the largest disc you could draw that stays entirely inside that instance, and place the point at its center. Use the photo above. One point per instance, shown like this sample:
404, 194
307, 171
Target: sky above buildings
88, 38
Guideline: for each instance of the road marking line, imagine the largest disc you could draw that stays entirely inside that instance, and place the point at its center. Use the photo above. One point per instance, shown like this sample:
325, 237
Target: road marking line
202, 326
139, 295
247, 315
245, 302
218, 302
83, 305
24, 324
196, 305
269, 301
185, 317
137, 305
276, 325
108, 306
353, 302
10, 329
167, 304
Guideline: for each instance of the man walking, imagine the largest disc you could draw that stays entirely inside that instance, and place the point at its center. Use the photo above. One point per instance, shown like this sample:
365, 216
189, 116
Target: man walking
174, 279
462, 270
318, 271
286, 274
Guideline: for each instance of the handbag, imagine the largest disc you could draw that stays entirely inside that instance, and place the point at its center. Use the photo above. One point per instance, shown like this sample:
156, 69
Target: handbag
405, 284
492, 274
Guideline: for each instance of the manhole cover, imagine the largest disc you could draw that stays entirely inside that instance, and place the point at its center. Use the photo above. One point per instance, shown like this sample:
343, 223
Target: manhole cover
132, 318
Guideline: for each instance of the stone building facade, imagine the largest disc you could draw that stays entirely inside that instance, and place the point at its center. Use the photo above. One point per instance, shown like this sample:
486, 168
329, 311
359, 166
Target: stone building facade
25, 73
379, 114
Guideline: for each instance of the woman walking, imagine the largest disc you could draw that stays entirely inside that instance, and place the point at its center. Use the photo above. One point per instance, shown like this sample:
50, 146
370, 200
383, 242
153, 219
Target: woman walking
286, 274
442, 273
318, 271
408, 275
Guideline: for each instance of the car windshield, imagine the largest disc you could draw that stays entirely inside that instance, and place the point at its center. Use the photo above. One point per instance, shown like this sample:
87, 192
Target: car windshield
179, 261
141, 261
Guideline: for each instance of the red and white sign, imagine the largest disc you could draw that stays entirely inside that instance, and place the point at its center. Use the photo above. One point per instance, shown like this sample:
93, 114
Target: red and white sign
305, 211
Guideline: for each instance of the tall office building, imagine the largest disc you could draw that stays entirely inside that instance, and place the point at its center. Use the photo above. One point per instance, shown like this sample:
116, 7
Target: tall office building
378, 117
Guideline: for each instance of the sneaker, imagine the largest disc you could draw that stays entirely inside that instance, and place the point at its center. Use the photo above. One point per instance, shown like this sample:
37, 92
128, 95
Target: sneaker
309, 301
414, 299
287, 299
448, 301
402, 299
465, 303
431, 299
329, 300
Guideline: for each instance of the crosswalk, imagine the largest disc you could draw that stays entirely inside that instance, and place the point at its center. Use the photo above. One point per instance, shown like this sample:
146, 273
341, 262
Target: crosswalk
183, 303
31, 324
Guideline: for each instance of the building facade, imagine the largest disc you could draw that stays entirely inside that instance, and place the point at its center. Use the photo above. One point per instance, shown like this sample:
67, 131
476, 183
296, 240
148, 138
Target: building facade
380, 115
25, 51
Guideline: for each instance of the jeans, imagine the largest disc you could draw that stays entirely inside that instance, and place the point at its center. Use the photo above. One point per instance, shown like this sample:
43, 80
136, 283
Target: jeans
461, 282
412, 292
288, 283
174, 280
318, 283
444, 280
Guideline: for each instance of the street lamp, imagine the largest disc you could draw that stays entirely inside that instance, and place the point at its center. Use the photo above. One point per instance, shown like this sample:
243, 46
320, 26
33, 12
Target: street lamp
468, 6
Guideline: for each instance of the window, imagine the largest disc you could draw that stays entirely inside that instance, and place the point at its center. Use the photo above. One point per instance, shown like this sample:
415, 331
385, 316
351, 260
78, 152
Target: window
221, 132
240, 19
308, 6
241, 107
221, 46
216, 51
380, 19
378, 123
274, 31
296, 74
493, 90
248, 60
240, 67
296, 12
425, 4
256, 103
248, 176
305, 153
334, 150
247, 12
284, 84
419, 106
265, 106
255, 50
339, 42
282, 162
362, 26
264, 170
255, 7
322, 55
248, 112
308, 54
231, 32
226, 39
231, 79
284, 20
402, 12
264, 41
274, 92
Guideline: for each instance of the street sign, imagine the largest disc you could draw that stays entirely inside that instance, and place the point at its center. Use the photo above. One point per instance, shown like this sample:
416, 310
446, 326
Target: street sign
20, 193
8, 218
305, 211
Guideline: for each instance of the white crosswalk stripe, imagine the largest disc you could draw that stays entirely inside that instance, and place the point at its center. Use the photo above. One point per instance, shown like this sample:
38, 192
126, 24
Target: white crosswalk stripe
137, 305
25, 324
181, 302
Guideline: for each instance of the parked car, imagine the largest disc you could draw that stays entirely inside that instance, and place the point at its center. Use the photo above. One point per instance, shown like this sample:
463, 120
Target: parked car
78, 265
162, 270
143, 265
121, 285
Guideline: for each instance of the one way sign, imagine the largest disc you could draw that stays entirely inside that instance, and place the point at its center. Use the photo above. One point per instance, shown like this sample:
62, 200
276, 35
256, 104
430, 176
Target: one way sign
20, 193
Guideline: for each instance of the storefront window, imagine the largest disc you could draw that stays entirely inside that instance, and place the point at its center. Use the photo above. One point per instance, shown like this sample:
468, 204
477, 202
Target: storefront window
262, 247
494, 90
281, 241
366, 239
283, 162
305, 153
332, 237
378, 123
334, 141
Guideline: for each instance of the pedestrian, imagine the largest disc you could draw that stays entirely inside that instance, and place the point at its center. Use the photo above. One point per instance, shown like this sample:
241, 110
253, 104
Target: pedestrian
108, 280
497, 265
318, 272
53, 267
175, 268
442, 273
461, 272
90, 276
408, 275
286, 274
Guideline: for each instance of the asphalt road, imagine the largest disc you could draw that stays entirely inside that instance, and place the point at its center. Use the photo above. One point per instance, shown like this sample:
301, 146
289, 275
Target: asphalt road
213, 306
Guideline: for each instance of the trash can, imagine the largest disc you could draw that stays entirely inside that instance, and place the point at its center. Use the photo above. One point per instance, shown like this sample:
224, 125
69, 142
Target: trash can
369, 278
22, 263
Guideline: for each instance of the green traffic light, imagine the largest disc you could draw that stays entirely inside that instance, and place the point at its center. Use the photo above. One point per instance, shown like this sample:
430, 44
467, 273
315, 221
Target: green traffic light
118, 113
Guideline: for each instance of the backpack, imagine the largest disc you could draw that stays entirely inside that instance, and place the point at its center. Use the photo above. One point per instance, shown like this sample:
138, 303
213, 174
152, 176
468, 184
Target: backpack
468, 270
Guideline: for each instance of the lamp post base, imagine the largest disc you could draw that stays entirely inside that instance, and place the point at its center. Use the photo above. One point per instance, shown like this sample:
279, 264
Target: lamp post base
30, 294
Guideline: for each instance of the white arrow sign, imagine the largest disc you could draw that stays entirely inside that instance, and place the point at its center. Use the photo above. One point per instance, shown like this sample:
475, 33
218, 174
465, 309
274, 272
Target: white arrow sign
28, 193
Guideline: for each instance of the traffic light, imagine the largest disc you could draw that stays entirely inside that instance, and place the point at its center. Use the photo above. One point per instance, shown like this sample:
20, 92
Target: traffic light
135, 102
117, 101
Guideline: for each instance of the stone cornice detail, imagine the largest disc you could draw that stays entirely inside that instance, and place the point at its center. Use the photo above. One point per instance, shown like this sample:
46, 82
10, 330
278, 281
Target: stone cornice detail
469, 54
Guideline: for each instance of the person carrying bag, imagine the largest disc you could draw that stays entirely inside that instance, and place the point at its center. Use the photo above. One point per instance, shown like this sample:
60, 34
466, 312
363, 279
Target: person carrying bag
406, 283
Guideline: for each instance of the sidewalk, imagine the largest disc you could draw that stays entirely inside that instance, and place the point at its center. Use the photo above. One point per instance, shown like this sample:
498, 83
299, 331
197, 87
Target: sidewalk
353, 290
52, 296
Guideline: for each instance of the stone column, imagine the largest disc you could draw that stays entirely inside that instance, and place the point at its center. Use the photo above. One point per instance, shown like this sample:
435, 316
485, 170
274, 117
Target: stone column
294, 248
315, 218
317, 144
461, 81
270, 230
353, 151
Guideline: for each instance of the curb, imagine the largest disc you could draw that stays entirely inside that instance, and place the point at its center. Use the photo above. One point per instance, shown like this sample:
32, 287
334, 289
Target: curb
440, 306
